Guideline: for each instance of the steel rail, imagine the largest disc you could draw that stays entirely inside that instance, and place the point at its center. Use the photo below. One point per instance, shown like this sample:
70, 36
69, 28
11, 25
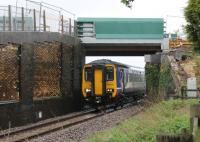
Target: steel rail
61, 122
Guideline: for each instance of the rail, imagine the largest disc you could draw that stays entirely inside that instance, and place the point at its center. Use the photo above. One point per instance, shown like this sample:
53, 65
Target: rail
48, 126
52, 125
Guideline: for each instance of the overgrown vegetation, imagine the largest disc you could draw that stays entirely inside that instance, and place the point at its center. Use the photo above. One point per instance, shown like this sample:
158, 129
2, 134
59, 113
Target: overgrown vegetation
159, 81
166, 84
167, 116
152, 74
192, 12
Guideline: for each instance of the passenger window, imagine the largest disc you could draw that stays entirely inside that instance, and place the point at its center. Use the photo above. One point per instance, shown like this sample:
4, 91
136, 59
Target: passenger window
109, 74
88, 74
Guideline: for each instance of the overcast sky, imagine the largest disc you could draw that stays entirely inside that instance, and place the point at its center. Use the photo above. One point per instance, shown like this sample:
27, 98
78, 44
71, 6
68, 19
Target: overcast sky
114, 8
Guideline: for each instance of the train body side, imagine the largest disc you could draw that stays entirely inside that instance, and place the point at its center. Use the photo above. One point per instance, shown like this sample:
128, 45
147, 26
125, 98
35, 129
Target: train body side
130, 82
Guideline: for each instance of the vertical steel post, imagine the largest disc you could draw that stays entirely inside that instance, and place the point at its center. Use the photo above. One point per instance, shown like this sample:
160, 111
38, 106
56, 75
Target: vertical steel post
75, 28
70, 26
34, 20
9, 18
23, 19
44, 21
59, 24
62, 24
4, 23
40, 16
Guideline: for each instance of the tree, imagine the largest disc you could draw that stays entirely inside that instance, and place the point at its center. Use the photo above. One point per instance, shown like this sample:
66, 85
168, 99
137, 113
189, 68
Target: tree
128, 3
192, 15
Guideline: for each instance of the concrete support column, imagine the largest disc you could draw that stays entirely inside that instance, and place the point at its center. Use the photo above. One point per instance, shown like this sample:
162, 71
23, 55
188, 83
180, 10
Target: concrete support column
66, 70
78, 64
26, 83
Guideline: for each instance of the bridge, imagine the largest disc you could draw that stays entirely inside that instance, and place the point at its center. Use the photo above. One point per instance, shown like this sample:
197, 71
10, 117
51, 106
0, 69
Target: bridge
121, 36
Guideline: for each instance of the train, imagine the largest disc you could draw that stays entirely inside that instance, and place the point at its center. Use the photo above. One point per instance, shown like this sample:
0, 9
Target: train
108, 82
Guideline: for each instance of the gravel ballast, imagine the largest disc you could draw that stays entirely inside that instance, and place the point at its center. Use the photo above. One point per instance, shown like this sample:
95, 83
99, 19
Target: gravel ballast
82, 131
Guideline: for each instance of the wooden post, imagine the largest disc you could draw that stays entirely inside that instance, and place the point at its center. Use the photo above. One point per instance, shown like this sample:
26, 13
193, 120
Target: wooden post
174, 138
9, 19
195, 121
44, 21
23, 19
34, 20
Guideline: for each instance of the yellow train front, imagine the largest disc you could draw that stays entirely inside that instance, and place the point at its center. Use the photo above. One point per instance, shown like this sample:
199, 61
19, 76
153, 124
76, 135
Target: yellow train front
105, 82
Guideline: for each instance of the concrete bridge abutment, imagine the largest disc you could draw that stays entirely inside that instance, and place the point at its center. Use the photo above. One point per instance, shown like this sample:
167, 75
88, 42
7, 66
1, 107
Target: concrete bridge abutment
68, 60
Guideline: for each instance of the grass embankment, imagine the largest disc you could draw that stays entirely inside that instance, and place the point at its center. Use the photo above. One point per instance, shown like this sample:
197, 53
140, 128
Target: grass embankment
167, 116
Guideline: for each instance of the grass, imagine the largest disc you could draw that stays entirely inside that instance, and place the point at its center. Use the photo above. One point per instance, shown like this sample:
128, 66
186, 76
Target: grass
167, 116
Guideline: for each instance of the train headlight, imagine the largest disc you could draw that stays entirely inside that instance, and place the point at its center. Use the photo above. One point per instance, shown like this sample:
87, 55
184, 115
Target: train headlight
88, 90
109, 90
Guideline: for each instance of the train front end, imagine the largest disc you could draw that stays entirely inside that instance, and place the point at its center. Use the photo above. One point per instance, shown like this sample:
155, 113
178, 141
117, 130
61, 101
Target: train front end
99, 83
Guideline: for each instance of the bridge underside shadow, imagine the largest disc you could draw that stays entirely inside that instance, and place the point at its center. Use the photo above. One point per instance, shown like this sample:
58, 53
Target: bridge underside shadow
121, 49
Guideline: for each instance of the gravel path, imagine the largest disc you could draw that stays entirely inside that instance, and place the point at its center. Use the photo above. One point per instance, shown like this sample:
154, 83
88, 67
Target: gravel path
81, 131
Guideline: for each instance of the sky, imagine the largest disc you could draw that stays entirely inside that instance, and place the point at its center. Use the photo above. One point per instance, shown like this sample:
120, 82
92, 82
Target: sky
170, 10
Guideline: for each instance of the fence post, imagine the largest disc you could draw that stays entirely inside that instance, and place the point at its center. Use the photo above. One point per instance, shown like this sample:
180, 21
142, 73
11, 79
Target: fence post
195, 121
4, 23
22, 18
44, 21
9, 18
62, 24
70, 26
75, 28
34, 20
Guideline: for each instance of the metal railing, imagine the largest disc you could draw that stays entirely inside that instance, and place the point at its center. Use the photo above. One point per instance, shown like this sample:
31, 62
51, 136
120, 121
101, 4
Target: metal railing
14, 18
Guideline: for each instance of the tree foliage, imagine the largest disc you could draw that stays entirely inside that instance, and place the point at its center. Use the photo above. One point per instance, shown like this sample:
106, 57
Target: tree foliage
192, 15
128, 3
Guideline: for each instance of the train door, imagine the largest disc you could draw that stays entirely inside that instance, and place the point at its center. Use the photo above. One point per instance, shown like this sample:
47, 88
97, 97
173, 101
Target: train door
98, 81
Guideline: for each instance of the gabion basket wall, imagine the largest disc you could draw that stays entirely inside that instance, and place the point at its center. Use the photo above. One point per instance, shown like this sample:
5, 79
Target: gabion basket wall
47, 70
9, 72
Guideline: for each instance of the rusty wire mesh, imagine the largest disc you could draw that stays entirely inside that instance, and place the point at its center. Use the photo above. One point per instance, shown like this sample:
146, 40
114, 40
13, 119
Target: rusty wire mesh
9, 68
46, 69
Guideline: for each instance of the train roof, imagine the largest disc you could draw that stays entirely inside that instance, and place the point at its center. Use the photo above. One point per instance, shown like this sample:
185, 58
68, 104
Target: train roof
106, 61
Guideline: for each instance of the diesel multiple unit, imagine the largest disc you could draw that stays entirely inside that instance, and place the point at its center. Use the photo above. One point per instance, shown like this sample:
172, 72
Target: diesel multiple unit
106, 82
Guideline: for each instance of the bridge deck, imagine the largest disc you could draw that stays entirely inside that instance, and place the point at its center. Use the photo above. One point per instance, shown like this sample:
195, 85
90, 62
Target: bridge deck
121, 36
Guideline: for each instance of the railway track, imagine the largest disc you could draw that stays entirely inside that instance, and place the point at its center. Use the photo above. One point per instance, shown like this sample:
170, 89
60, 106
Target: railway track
47, 127
51, 125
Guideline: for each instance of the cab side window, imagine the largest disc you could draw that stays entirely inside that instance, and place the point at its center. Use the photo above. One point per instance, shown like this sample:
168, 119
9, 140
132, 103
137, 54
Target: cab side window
109, 73
88, 74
